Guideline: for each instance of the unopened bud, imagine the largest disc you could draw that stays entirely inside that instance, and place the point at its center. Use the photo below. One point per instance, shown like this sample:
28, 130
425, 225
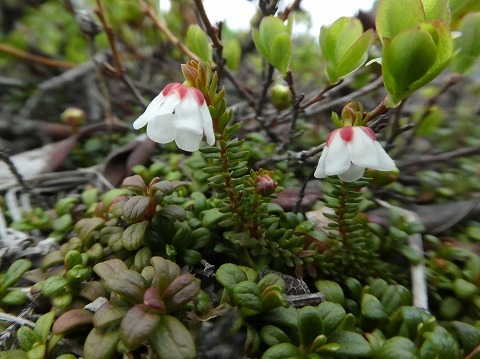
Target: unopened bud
73, 116
265, 185
281, 97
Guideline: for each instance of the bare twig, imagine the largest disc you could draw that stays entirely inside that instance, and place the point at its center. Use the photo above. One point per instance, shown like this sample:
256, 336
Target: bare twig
5, 317
301, 193
442, 157
101, 13
341, 100
240, 87
295, 110
285, 13
214, 34
35, 58
164, 29
6, 158
319, 96
290, 156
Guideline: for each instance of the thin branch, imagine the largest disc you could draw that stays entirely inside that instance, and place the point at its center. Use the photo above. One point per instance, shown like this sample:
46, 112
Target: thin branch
301, 193
214, 34
35, 58
319, 96
290, 155
100, 12
285, 13
442, 157
5, 317
266, 86
8, 161
295, 111
240, 87
164, 29
341, 100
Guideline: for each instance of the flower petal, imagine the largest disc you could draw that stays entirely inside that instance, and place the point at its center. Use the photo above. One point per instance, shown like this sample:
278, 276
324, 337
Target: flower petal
161, 129
207, 124
384, 161
188, 116
188, 140
352, 174
337, 159
169, 105
150, 112
320, 170
362, 149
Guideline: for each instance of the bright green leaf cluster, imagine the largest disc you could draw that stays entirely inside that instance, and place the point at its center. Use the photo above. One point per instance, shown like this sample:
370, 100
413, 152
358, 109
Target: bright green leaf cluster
344, 47
467, 45
197, 40
273, 41
417, 46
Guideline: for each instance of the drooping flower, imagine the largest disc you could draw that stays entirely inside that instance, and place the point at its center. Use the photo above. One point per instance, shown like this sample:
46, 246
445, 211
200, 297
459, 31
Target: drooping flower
348, 151
179, 113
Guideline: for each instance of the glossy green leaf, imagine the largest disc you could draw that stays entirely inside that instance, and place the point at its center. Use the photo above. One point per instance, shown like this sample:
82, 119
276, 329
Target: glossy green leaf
388, 22
273, 335
86, 226
137, 325
352, 345
469, 335
332, 314
397, 348
271, 279
310, 325
197, 40
439, 344
101, 344
133, 236
171, 340
232, 50
183, 237
108, 269
407, 58
14, 273
26, 337
332, 290
356, 55
230, 275
467, 45
437, 10
129, 284
180, 291
281, 52
344, 47
135, 183
136, 207
411, 318
460, 8
273, 42
213, 216
54, 285
37, 352
372, 308
14, 297
336, 39
43, 325
247, 295
283, 351
108, 315
165, 272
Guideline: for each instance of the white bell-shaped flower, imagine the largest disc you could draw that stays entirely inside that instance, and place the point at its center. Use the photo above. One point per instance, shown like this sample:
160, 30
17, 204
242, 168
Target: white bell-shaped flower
348, 151
179, 113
